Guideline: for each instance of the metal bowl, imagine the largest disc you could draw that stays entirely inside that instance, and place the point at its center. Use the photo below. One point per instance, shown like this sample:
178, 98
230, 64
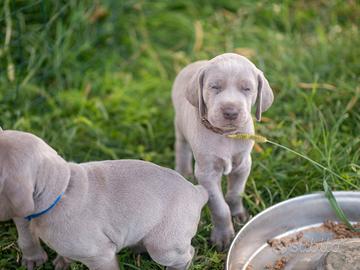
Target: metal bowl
305, 214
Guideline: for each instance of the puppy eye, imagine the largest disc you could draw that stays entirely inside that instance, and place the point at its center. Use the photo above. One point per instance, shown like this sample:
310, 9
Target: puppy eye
246, 89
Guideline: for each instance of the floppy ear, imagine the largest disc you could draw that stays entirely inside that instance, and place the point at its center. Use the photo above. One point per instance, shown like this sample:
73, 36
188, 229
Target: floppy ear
265, 96
194, 91
20, 194
55, 168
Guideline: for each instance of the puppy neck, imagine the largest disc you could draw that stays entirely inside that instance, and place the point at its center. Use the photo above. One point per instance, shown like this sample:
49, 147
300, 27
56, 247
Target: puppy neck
50, 185
249, 127
70, 201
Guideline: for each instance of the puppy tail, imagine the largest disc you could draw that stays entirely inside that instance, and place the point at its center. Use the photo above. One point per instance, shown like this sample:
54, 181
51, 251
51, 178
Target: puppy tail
203, 194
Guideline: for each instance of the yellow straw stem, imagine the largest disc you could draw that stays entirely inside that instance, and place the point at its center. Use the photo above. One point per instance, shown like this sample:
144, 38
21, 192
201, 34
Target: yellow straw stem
262, 139
246, 136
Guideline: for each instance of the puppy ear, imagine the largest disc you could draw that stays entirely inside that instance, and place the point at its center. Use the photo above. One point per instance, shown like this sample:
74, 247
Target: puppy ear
56, 168
20, 195
194, 91
265, 96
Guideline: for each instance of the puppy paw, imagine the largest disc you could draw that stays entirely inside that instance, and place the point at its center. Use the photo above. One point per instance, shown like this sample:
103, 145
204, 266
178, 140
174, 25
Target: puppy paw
240, 220
222, 238
31, 262
241, 217
236, 206
61, 263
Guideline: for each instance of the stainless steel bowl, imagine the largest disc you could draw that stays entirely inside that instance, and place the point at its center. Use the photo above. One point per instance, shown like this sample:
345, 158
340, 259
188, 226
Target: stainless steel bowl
250, 248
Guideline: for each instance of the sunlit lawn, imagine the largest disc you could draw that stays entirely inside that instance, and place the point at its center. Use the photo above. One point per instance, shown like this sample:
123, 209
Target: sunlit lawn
94, 81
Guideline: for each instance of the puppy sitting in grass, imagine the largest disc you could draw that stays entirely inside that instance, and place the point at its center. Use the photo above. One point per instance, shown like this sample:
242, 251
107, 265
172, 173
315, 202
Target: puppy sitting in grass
213, 99
88, 212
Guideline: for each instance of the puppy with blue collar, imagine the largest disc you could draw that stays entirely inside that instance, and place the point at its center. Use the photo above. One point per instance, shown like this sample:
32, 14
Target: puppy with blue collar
88, 212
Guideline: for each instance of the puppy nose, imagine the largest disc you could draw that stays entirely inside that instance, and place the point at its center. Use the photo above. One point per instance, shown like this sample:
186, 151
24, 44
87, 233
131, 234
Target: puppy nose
230, 113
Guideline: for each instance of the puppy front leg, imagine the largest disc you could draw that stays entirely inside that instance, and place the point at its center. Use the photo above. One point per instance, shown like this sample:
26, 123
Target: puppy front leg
223, 230
236, 186
183, 155
33, 254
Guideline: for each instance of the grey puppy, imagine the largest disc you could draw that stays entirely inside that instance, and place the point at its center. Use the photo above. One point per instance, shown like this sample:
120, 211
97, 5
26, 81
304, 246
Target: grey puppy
105, 206
212, 99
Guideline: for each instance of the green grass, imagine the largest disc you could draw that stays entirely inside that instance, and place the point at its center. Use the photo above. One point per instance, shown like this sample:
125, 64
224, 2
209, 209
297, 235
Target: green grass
99, 88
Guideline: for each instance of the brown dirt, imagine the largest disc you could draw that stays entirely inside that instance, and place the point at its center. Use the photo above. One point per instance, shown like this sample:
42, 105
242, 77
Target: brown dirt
278, 265
340, 230
278, 244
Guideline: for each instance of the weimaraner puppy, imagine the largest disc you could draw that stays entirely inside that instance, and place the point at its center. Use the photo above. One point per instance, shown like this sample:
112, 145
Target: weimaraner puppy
212, 99
88, 212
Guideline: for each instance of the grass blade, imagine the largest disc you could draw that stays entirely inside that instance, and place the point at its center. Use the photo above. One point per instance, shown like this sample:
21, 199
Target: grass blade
336, 207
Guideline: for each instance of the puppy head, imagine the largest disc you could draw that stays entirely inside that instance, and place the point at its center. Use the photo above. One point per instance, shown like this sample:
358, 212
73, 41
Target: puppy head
25, 163
226, 88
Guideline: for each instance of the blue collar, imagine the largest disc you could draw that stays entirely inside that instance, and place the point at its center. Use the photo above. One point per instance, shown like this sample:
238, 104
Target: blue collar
46, 210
